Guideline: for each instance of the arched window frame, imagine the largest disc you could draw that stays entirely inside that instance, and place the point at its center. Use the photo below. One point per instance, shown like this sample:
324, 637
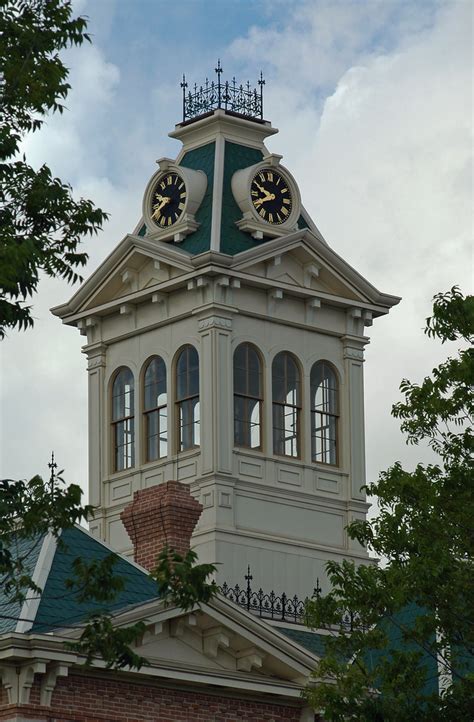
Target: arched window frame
123, 419
248, 399
324, 414
155, 414
286, 411
187, 400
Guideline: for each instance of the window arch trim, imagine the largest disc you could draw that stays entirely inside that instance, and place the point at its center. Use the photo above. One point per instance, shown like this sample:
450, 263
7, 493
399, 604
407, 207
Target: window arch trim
248, 399
325, 414
286, 409
187, 399
155, 414
122, 420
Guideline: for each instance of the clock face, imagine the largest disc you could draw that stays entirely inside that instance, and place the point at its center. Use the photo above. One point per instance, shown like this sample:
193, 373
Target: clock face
168, 200
271, 196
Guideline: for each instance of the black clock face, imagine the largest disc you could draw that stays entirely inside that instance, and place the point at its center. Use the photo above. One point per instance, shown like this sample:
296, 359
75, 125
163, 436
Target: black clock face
168, 200
271, 196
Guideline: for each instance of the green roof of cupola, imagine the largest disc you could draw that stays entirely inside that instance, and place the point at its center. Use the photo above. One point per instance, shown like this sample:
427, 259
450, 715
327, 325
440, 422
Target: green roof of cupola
240, 99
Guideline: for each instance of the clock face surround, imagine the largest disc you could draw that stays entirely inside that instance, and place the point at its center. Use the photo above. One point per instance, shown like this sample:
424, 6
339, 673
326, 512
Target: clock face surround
271, 196
168, 199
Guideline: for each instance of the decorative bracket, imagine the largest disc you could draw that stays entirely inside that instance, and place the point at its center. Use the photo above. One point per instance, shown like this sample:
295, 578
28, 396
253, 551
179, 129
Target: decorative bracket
367, 317
126, 309
213, 640
129, 278
86, 324
249, 659
48, 683
311, 270
18, 681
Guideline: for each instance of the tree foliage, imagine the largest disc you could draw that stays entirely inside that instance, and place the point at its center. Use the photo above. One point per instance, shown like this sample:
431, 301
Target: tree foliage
41, 223
28, 511
181, 581
401, 642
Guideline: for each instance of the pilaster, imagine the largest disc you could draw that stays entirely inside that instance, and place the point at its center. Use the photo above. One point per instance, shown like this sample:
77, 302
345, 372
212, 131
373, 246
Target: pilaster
215, 330
353, 354
96, 361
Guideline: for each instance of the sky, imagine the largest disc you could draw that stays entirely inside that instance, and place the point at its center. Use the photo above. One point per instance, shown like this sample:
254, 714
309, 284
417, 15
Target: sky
373, 100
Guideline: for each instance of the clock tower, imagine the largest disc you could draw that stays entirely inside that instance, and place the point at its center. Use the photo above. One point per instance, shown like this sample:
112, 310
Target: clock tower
225, 348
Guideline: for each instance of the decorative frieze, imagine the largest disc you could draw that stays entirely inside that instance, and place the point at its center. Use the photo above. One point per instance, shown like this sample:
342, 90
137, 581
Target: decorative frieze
96, 355
214, 322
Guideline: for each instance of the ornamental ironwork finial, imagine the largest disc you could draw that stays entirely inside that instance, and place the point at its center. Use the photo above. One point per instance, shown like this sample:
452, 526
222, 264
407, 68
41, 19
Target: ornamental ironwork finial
229, 96
52, 477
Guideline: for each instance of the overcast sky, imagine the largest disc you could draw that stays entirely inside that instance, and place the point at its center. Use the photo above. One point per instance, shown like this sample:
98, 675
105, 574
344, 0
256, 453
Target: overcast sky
373, 100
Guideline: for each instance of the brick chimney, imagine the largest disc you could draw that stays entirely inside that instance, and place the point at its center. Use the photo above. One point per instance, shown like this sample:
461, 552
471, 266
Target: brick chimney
161, 515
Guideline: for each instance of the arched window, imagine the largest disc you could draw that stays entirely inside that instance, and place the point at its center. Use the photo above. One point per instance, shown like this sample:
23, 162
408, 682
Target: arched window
187, 398
324, 413
286, 396
247, 397
155, 409
123, 420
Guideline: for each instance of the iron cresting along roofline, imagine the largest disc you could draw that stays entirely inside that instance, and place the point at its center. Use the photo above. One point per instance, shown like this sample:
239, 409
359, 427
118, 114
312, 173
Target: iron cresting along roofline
232, 97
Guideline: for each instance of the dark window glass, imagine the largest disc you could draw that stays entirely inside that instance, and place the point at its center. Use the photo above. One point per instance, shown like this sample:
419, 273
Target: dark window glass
187, 398
247, 397
324, 413
286, 396
155, 410
123, 421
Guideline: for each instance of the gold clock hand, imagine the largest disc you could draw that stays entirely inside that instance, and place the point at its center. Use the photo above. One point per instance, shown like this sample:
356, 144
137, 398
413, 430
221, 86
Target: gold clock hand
268, 197
158, 206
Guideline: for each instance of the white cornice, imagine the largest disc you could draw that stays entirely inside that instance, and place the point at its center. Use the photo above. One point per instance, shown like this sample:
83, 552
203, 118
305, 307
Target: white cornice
368, 296
219, 123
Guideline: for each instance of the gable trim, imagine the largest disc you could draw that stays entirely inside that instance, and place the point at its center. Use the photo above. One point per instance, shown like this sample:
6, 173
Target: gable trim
336, 263
179, 258
39, 577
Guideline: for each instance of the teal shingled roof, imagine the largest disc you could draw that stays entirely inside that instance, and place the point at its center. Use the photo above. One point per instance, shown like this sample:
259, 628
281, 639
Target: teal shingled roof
394, 627
59, 607
201, 158
312, 641
233, 240
28, 550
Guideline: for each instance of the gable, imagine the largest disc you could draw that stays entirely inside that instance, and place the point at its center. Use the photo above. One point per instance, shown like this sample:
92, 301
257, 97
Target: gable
300, 266
136, 264
136, 272
223, 642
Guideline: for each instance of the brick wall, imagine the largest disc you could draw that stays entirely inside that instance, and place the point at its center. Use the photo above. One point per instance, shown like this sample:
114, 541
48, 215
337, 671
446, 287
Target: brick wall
79, 698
